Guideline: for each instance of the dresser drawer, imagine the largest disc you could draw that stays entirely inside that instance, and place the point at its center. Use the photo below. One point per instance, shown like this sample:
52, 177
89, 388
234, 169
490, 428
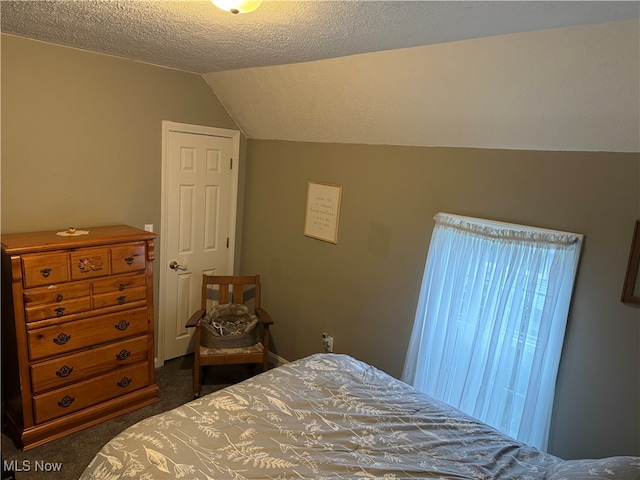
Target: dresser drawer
89, 263
55, 293
45, 269
128, 258
119, 283
89, 363
57, 310
67, 337
119, 298
72, 398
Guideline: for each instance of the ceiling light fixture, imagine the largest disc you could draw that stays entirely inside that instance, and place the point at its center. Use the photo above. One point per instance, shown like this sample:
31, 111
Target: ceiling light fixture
237, 6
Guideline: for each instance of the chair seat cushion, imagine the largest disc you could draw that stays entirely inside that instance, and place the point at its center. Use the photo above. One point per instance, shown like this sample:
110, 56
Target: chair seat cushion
205, 351
229, 326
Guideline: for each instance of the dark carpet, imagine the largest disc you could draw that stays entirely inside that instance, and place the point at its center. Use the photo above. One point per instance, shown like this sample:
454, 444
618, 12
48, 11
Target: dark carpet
67, 457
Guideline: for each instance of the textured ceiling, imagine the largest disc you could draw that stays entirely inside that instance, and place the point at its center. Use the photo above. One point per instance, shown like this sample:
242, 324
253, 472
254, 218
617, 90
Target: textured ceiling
197, 37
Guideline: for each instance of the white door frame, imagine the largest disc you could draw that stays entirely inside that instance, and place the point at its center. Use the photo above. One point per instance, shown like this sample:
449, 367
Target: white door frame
168, 127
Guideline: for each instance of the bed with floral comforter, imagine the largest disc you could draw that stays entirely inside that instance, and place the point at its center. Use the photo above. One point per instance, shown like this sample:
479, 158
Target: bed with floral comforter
329, 416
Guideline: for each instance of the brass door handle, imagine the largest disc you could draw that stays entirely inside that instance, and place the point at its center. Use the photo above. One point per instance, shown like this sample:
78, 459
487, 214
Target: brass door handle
174, 266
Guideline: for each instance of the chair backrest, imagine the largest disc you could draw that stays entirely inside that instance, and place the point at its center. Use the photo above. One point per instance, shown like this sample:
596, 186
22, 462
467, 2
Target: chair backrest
231, 289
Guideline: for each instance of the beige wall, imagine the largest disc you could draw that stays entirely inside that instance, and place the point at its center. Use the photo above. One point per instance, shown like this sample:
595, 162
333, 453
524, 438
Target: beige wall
363, 291
81, 135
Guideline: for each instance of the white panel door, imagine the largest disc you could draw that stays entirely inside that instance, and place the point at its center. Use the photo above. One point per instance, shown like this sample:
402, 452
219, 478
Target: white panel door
198, 223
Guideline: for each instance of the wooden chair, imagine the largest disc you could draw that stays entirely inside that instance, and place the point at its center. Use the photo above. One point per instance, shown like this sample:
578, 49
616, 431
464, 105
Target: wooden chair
231, 289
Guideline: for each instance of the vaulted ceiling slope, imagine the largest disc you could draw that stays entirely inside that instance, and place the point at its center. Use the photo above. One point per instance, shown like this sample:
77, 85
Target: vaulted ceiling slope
572, 89
476, 73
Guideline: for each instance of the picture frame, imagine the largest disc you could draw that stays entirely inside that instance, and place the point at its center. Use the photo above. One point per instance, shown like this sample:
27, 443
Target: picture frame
322, 214
631, 290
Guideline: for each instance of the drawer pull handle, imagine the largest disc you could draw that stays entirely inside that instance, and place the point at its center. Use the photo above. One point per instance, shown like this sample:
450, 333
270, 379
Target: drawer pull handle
124, 382
59, 311
61, 339
64, 371
59, 297
121, 286
45, 272
121, 299
66, 401
124, 353
129, 260
122, 325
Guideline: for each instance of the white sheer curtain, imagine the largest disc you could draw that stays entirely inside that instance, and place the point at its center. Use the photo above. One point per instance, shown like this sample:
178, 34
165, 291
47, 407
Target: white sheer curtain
491, 319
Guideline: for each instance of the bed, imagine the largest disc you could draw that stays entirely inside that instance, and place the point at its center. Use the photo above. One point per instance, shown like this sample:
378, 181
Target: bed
329, 416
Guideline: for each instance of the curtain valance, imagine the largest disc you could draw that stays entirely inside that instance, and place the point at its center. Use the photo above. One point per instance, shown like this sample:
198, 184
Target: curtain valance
506, 231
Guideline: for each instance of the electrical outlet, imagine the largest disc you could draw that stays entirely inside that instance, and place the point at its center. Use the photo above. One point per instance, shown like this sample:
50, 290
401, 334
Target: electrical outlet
327, 343
148, 227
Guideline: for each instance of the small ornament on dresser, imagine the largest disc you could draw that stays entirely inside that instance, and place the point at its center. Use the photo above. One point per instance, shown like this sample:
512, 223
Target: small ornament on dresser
72, 232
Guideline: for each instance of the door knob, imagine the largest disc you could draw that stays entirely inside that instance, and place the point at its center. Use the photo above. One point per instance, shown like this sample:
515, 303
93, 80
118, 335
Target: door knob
174, 266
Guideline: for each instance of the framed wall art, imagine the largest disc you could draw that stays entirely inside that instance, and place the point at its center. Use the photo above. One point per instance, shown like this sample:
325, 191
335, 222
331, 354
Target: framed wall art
631, 290
322, 214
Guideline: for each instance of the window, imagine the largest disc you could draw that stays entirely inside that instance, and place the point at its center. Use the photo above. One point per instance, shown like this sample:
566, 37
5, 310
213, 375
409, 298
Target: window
491, 319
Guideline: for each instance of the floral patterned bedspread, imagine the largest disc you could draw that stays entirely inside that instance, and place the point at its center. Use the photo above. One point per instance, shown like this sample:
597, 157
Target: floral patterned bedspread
329, 416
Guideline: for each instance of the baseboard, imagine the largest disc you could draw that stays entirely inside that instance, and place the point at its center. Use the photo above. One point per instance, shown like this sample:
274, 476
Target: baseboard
277, 360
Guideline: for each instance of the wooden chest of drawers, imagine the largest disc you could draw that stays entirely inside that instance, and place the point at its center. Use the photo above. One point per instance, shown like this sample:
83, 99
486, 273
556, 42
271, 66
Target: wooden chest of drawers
77, 330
